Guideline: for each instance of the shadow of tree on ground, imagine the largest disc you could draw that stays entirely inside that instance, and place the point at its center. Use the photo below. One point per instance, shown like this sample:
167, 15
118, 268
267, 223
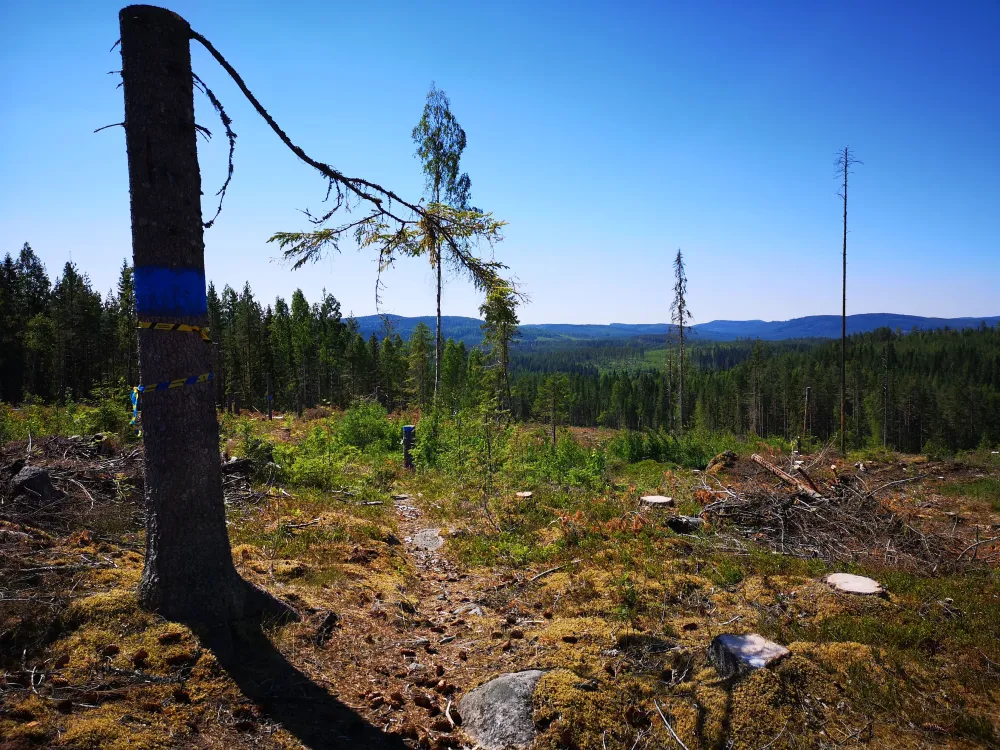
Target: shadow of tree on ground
288, 696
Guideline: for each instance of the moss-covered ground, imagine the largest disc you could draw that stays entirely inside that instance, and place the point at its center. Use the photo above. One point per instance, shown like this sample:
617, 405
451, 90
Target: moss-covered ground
580, 579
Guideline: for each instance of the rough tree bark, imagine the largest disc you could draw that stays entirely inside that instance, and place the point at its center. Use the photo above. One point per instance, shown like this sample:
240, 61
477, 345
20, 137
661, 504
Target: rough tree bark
189, 573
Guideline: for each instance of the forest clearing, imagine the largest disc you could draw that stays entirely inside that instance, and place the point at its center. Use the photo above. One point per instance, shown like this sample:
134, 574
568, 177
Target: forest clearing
415, 588
234, 520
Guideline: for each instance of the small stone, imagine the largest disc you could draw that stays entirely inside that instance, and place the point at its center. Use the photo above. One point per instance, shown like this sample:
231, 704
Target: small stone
740, 654
849, 583
428, 539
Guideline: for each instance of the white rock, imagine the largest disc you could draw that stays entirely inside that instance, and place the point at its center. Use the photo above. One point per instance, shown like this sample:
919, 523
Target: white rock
739, 654
429, 539
658, 501
849, 583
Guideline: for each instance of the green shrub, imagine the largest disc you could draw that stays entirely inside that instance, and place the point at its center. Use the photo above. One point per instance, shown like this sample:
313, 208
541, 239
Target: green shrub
367, 426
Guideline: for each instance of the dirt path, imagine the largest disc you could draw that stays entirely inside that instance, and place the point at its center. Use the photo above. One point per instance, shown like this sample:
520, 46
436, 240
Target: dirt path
448, 625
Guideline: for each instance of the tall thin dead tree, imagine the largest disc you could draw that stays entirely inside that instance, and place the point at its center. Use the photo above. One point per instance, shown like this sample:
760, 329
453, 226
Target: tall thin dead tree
845, 161
680, 316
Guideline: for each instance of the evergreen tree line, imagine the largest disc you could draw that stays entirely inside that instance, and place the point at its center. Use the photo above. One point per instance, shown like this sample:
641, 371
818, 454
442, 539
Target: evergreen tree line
903, 390
63, 341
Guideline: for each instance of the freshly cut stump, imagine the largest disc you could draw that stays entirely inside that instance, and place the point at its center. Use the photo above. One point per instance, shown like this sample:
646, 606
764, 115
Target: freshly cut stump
740, 654
497, 714
849, 583
658, 501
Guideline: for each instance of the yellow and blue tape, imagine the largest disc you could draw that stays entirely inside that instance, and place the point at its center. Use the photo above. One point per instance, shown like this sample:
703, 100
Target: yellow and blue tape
144, 324
165, 385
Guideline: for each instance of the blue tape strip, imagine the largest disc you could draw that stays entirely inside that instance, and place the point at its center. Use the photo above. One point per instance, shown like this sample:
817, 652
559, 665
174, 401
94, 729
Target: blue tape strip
167, 291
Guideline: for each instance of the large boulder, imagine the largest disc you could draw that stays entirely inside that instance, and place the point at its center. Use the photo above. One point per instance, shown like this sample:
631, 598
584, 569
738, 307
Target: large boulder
498, 714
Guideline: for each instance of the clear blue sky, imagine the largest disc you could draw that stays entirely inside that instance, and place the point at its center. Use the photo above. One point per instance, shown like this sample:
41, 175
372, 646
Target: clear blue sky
607, 134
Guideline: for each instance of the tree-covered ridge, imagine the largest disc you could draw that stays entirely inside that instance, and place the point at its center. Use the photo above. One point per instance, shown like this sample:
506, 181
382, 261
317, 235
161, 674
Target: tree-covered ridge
61, 341
906, 389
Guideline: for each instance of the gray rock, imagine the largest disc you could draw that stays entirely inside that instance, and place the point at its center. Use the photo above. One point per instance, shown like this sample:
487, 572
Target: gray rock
740, 654
497, 714
428, 539
684, 524
34, 485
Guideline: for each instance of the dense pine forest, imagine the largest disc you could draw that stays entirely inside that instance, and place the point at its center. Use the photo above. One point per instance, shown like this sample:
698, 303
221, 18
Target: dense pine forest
62, 341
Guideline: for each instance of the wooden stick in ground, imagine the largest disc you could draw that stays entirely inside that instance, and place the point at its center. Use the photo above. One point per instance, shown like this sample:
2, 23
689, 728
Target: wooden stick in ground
804, 488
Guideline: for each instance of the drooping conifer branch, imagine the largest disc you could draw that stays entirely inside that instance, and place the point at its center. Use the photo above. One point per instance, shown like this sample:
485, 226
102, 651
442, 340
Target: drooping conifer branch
392, 231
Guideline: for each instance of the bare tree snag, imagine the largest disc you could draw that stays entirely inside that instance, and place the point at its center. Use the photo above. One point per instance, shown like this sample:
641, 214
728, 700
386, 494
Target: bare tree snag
844, 163
189, 573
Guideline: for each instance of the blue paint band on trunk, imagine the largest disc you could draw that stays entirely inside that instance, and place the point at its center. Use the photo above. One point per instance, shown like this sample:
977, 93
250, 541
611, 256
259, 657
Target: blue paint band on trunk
177, 292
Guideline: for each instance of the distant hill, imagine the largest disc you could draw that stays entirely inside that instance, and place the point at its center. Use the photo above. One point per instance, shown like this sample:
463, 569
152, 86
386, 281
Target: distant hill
813, 326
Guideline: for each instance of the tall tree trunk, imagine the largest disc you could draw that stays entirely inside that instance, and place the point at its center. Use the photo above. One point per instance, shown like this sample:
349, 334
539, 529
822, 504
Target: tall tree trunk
843, 320
437, 334
189, 573
680, 375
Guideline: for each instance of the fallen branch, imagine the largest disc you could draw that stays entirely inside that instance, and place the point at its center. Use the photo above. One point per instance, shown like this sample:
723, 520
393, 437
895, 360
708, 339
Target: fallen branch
898, 481
669, 728
553, 570
802, 487
976, 545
